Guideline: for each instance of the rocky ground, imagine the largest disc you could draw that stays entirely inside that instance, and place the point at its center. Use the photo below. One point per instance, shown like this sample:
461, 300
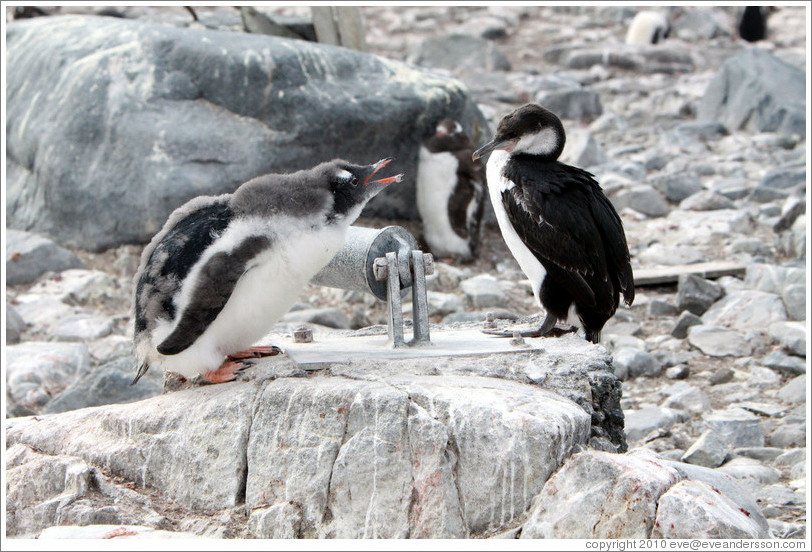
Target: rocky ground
714, 371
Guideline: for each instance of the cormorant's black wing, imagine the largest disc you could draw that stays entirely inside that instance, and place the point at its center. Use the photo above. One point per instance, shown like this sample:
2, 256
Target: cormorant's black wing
562, 216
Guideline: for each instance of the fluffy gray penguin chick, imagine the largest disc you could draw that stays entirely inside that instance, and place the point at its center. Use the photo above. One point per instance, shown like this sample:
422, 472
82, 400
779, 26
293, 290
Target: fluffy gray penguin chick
223, 269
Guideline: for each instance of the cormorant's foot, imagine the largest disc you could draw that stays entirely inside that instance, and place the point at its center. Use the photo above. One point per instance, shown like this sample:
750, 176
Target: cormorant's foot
555, 331
259, 351
228, 371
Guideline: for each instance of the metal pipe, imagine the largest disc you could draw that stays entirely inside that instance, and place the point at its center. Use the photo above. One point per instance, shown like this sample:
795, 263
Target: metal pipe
353, 266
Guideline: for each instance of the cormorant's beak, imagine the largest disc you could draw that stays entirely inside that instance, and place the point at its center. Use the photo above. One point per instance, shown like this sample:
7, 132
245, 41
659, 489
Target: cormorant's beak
378, 166
494, 144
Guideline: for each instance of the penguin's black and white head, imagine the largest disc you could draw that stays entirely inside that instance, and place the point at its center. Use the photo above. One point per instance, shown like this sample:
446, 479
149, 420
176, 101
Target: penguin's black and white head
448, 136
332, 192
530, 129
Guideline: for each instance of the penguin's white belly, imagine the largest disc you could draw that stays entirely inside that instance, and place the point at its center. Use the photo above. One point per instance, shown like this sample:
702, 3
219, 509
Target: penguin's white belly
261, 296
436, 180
497, 183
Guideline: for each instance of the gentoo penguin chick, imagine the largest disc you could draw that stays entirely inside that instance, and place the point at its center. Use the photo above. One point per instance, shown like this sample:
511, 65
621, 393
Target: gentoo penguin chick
563, 231
223, 269
450, 192
647, 27
753, 24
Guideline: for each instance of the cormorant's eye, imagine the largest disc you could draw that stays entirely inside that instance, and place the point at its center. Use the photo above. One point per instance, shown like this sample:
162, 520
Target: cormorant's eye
354, 181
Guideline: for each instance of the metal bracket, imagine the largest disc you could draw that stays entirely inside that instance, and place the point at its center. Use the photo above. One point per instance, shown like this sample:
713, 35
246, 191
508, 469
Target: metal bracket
386, 268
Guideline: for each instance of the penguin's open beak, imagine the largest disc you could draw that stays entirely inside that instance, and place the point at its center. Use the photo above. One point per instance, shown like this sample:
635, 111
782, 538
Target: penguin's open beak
378, 166
494, 144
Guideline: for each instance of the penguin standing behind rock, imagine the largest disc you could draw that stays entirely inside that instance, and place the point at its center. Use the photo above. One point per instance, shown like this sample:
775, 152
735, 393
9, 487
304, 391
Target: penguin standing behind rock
647, 27
450, 192
223, 269
753, 23
563, 231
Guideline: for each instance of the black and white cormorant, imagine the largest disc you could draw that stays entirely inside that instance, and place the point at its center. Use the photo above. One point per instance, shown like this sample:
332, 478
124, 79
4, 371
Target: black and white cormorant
563, 231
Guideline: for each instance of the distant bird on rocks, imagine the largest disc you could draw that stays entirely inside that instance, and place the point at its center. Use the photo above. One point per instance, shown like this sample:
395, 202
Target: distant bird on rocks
450, 192
563, 231
753, 23
647, 27
223, 269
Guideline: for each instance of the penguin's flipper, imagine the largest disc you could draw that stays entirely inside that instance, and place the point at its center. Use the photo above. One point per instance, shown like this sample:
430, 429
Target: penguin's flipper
213, 287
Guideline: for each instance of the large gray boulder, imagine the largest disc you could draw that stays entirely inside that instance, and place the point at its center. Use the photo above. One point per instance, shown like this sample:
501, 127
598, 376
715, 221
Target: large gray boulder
29, 256
756, 91
113, 123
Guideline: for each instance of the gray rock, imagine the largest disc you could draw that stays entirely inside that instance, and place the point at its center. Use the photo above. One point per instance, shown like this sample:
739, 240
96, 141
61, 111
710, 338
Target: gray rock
80, 287
773, 278
727, 486
688, 399
791, 336
583, 150
15, 325
794, 391
141, 137
331, 317
280, 521
107, 383
643, 199
791, 457
461, 53
762, 454
736, 427
575, 103
483, 291
696, 294
756, 91
677, 186
444, 303
718, 342
686, 320
640, 423
789, 435
664, 254
615, 496
82, 327
42, 311
709, 451
706, 200
678, 372
636, 363
794, 297
781, 362
785, 177
746, 311
29, 256
721, 376
696, 510
697, 24
751, 473
36, 371
419, 449
661, 308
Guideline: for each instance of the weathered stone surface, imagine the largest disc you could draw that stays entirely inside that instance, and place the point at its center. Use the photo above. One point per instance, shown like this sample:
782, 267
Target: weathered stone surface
36, 371
463, 53
709, 451
791, 336
696, 294
794, 391
756, 91
781, 362
615, 496
706, 200
330, 317
111, 532
728, 486
15, 325
82, 327
573, 103
483, 291
640, 423
685, 320
636, 363
746, 310
137, 106
718, 342
736, 427
643, 199
695, 510
29, 256
414, 456
687, 398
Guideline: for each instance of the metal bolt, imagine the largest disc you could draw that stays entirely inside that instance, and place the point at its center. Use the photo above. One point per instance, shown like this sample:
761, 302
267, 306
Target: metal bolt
490, 320
428, 263
517, 338
303, 334
379, 269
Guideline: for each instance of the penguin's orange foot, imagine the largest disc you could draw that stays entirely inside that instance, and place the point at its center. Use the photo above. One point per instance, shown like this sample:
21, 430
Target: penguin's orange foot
228, 371
256, 352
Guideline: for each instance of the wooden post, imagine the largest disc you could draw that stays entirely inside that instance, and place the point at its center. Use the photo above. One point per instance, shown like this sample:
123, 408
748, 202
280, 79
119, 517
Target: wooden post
339, 26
